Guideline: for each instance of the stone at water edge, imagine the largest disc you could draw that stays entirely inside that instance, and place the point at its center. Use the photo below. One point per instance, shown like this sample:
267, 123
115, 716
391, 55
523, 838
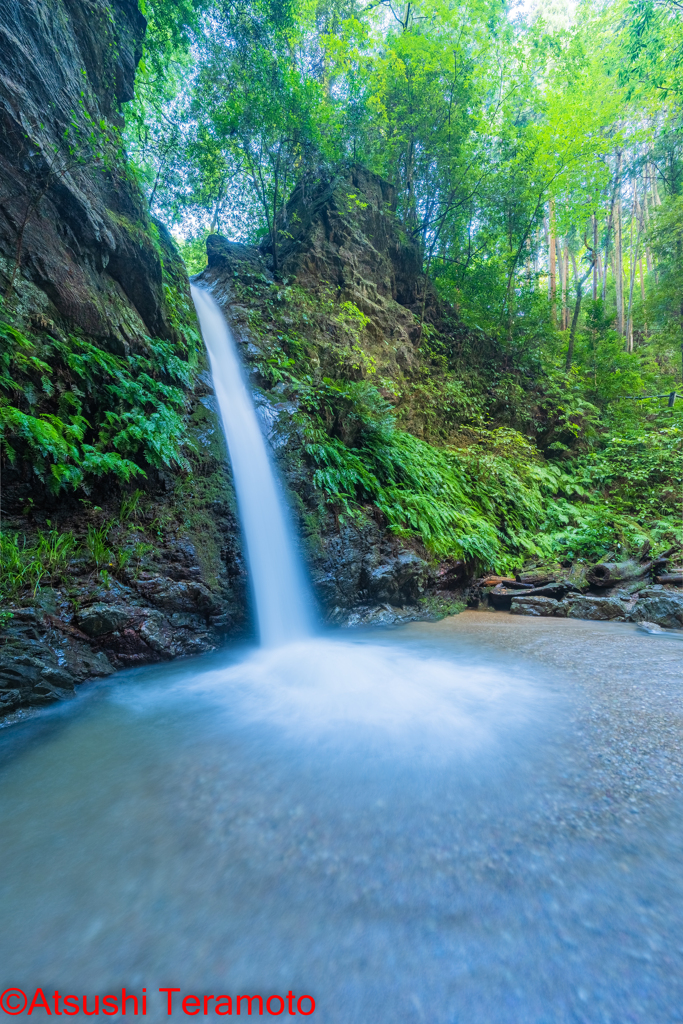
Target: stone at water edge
660, 608
596, 608
654, 630
537, 606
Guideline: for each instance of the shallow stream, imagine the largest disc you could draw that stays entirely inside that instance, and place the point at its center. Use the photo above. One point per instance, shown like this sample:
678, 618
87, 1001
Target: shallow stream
474, 821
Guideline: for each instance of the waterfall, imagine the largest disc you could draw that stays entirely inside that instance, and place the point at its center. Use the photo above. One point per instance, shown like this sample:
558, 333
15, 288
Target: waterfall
277, 577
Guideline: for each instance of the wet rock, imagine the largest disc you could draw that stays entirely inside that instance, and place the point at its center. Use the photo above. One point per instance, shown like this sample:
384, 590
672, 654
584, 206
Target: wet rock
374, 615
10, 700
43, 659
358, 569
158, 634
403, 576
57, 677
664, 609
48, 689
100, 618
589, 607
178, 595
19, 670
37, 699
536, 606
83, 664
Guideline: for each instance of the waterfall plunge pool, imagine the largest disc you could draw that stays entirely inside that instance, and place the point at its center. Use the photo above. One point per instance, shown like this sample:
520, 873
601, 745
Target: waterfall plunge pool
465, 821
477, 821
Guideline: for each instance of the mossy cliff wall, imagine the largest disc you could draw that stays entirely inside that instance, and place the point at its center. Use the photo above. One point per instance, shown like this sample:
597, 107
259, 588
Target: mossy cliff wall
334, 345
117, 497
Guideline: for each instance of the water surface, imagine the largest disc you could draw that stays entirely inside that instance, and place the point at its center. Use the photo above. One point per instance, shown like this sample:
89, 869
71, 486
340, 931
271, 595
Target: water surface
474, 821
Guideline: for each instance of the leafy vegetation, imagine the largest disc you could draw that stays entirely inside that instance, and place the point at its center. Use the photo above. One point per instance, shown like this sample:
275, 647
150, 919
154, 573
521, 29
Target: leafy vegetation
77, 412
535, 165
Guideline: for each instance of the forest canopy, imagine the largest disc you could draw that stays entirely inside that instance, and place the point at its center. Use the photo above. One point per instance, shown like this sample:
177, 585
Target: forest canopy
536, 162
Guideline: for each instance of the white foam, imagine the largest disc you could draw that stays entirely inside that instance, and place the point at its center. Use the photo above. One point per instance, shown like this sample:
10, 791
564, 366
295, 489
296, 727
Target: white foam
322, 689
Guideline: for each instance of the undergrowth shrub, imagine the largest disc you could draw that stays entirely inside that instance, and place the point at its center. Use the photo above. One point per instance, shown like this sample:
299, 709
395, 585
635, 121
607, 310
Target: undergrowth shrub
494, 501
27, 561
77, 412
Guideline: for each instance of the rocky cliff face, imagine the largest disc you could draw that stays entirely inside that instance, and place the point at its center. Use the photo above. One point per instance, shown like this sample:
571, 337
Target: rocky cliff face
96, 298
74, 234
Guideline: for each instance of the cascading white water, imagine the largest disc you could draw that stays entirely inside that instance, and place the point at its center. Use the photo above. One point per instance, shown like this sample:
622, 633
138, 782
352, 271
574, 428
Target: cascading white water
277, 578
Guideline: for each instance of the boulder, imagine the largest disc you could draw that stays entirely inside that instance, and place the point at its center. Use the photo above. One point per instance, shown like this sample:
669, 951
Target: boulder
19, 670
57, 677
374, 615
589, 607
356, 568
177, 595
9, 700
100, 618
662, 608
158, 634
535, 605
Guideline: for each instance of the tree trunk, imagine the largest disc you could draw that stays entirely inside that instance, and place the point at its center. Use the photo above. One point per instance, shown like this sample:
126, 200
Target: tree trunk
634, 260
610, 222
577, 310
629, 332
551, 260
572, 333
655, 192
619, 265
565, 275
646, 214
595, 257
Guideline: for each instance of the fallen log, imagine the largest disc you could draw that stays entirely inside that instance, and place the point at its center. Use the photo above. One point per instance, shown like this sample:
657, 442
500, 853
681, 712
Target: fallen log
497, 581
541, 575
608, 574
670, 577
549, 590
667, 553
575, 577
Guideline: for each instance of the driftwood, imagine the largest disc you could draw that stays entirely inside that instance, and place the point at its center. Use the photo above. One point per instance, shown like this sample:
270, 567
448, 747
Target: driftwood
608, 574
